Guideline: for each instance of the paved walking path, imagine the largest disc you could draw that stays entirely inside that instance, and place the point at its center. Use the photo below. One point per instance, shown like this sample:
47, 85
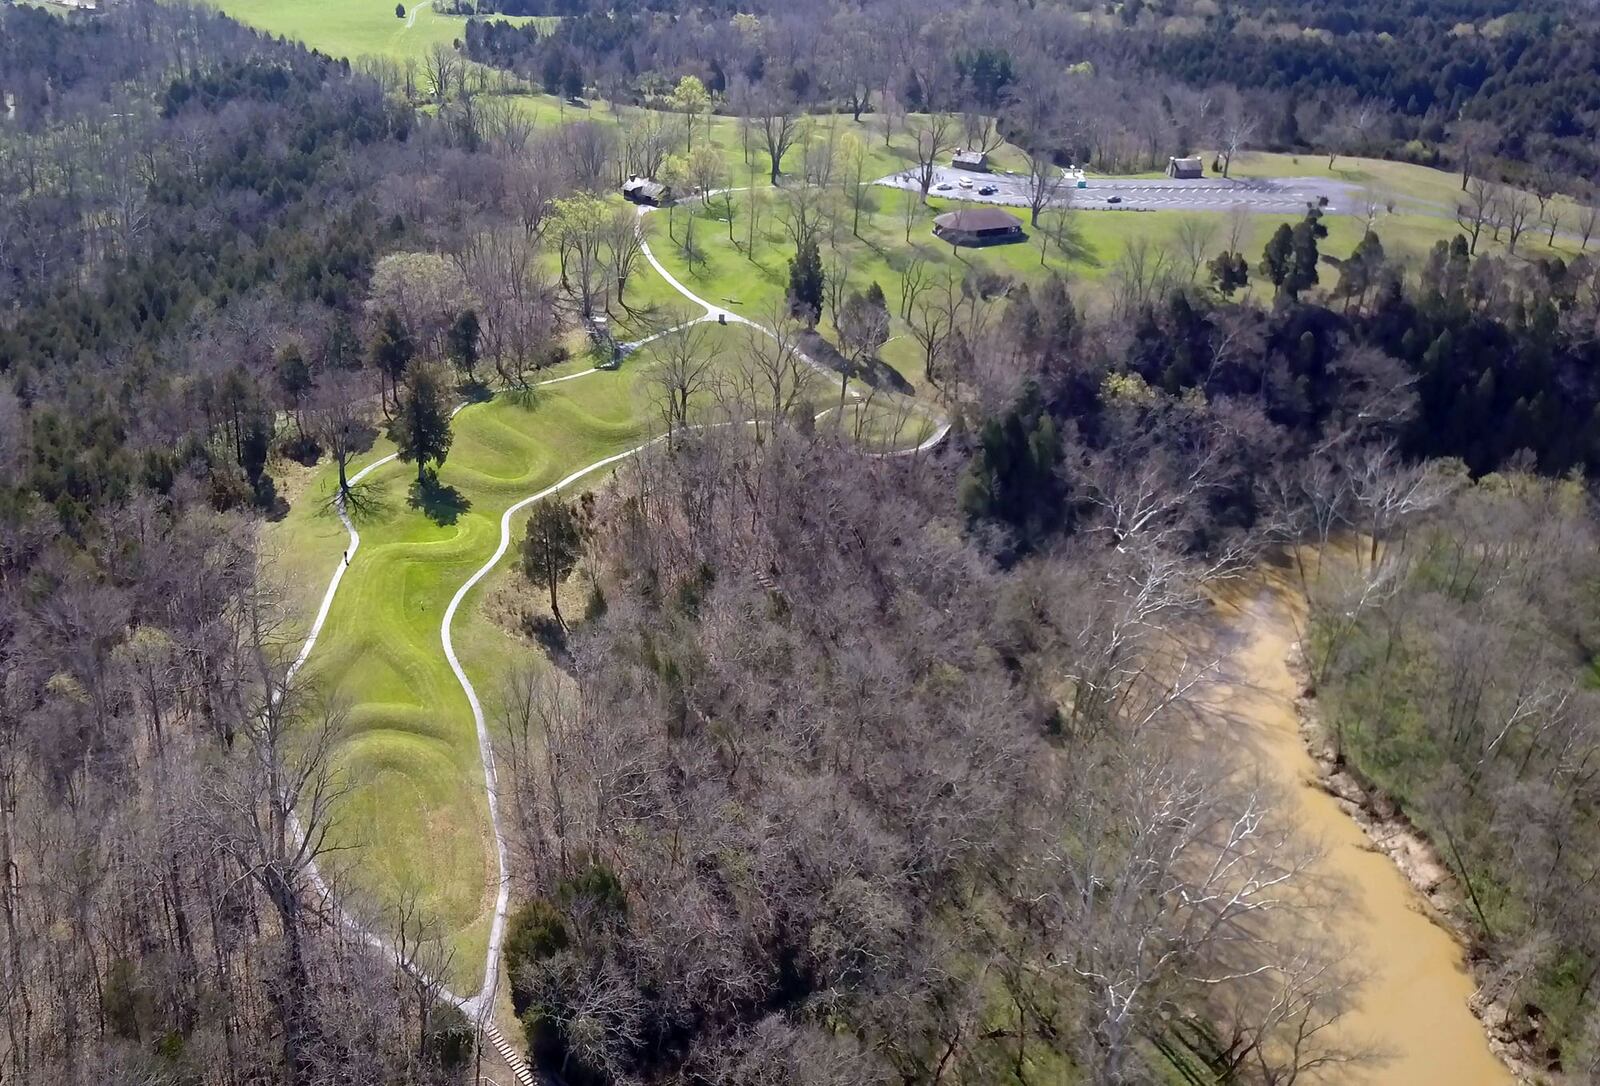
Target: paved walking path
717, 313
478, 1005
479, 1002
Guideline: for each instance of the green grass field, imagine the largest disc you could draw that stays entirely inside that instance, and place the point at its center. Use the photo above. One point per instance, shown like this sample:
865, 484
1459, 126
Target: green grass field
1424, 198
750, 275
414, 817
355, 28
745, 160
754, 283
415, 806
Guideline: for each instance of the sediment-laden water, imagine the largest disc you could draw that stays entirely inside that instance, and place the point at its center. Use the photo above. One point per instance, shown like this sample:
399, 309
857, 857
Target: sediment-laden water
1414, 1006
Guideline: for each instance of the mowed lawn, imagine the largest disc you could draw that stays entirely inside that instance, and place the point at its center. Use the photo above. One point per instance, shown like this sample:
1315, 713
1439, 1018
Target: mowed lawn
415, 817
744, 154
354, 28
753, 279
755, 283
1424, 199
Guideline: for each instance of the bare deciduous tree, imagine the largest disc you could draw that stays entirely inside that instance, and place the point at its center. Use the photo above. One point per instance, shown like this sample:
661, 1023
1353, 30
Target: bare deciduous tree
338, 422
442, 65
624, 243
1515, 213
1476, 210
780, 123
932, 134
1196, 235
683, 373
1473, 143
1588, 219
1235, 128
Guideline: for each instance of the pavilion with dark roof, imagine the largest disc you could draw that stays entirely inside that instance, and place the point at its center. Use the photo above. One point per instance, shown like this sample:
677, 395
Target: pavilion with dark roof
978, 226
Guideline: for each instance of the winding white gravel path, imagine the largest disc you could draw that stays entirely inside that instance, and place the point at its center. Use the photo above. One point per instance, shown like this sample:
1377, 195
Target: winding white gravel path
470, 1005
478, 1004
715, 312
485, 743
355, 537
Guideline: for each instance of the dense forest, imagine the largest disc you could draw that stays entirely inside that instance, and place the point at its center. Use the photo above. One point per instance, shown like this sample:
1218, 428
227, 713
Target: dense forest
190, 218
1524, 69
1124, 464
1437, 84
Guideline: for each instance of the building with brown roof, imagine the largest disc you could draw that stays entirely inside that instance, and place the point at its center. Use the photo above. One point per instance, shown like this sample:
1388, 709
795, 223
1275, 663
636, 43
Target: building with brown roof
978, 226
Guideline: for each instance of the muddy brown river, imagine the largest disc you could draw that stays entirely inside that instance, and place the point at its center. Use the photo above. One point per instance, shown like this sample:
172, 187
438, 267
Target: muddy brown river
1414, 1004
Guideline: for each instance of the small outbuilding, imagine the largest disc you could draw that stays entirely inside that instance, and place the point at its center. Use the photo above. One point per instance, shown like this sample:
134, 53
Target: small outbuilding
978, 226
642, 190
976, 161
1192, 166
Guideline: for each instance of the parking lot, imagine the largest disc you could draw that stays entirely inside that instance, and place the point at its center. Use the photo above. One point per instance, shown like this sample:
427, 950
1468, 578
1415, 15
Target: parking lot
1276, 196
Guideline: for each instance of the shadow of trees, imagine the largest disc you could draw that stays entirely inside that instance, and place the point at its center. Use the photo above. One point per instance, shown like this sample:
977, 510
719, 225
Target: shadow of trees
438, 502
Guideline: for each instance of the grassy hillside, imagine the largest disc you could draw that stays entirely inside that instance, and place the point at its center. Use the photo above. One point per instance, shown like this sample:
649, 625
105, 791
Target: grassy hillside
415, 803
752, 279
415, 798
355, 28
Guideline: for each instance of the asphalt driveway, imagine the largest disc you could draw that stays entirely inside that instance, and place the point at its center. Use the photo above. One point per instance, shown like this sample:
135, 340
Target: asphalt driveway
1276, 196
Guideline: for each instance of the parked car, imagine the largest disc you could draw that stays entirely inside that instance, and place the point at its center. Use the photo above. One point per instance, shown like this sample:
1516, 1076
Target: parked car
987, 190
1113, 199
966, 182
943, 186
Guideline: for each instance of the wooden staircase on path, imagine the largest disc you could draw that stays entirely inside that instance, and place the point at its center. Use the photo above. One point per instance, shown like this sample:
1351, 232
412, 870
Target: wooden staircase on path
502, 1047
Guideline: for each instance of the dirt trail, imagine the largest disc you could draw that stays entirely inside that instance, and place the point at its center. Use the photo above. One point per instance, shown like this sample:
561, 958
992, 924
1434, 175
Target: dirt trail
1414, 1007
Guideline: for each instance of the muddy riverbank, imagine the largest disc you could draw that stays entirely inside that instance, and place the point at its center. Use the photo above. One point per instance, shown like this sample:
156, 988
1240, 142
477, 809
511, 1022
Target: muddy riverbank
1516, 1042
1415, 1007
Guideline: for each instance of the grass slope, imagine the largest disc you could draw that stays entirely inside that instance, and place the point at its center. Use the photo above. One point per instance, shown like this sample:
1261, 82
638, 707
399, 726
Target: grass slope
355, 28
415, 813
752, 279
414, 818
755, 283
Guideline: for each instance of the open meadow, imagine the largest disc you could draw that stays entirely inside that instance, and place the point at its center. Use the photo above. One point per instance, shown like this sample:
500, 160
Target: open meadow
414, 807
409, 760
356, 28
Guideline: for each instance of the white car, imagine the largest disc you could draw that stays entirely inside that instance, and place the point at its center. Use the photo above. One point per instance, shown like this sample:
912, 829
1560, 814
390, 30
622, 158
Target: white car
966, 182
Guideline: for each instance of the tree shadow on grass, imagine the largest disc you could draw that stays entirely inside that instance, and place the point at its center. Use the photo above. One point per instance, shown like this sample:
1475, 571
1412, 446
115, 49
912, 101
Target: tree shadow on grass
263, 494
551, 636
364, 502
873, 371
439, 503
1069, 243
475, 390
526, 396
